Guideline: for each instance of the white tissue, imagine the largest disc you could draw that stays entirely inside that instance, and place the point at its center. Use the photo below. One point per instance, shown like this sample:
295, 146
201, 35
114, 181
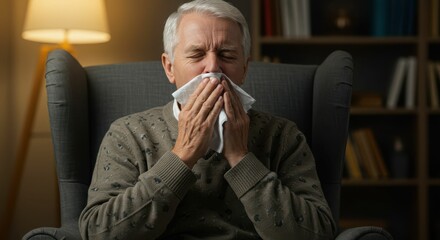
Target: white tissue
182, 95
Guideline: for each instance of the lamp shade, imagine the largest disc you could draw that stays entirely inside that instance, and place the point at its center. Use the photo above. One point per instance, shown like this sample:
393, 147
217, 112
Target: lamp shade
74, 21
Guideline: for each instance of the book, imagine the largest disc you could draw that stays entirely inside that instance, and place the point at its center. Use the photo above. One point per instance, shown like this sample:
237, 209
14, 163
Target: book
393, 23
396, 82
380, 18
409, 18
286, 13
267, 18
432, 86
296, 18
400, 21
366, 99
377, 154
301, 13
365, 153
393, 17
276, 14
411, 82
435, 18
437, 79
352, 161
306, 19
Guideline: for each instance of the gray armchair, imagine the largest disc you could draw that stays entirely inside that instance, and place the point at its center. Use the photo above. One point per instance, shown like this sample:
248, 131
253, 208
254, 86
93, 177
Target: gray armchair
83, 102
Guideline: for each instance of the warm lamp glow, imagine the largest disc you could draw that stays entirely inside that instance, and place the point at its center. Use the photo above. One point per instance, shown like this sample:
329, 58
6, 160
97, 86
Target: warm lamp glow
72, 21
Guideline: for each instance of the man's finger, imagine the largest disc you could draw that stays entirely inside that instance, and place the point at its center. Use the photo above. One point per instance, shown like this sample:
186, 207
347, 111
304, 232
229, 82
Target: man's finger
203, 97
209, 104
196, 93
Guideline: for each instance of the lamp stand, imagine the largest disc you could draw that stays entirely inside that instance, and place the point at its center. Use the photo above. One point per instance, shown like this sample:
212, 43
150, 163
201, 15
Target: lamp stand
25, 135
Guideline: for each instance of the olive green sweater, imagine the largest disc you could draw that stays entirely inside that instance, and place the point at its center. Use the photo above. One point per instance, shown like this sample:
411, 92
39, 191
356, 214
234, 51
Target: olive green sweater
141, 190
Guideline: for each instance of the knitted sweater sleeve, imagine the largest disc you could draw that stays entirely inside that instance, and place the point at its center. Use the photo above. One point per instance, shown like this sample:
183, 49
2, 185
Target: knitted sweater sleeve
126, 200
286, 201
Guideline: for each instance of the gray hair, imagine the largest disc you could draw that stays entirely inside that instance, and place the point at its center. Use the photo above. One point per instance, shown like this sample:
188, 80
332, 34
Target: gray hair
217, 8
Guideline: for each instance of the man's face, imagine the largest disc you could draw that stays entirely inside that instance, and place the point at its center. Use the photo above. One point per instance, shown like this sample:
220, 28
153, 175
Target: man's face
206, 44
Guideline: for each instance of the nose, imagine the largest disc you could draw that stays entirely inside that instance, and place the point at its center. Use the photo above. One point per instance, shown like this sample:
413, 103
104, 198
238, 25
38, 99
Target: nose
212, 63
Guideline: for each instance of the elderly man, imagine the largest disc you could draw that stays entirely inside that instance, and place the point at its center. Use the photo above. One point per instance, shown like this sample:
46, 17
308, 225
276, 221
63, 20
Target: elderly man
207, 166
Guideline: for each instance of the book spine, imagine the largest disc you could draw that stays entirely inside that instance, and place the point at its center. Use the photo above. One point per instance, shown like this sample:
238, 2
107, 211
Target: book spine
365, 153
435, 18
377, 153
411, 14
306, 17
380, 18
352, 161
285, 17
437, 81
276, 7
411, 83
433, 85
396, 83
267, 8
296, 17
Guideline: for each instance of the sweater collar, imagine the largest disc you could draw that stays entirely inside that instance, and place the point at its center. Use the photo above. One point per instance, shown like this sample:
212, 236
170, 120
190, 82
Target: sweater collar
168, 114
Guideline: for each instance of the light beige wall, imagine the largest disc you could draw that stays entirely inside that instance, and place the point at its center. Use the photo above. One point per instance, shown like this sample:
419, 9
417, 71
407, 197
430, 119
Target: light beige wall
5, 79
136, 29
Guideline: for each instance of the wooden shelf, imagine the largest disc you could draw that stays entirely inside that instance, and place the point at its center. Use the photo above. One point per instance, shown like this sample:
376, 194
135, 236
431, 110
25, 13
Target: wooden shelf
380, 183
434, 111
435, 40
382, 111
434, 182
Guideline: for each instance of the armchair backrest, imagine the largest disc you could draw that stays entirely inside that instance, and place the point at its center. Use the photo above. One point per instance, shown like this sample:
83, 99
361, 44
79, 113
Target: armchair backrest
82, 103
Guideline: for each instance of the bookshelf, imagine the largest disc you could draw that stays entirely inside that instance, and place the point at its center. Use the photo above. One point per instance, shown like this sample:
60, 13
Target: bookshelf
405, 206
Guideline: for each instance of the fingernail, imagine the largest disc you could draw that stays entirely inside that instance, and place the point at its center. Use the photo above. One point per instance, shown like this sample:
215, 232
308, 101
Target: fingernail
214, 80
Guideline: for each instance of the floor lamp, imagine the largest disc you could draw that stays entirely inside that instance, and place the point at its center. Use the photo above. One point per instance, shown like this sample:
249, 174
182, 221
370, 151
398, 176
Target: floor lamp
59, 23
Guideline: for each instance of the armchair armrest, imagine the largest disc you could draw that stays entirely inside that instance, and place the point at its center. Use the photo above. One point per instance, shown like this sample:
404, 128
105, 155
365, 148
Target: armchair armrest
365, 233
50, 233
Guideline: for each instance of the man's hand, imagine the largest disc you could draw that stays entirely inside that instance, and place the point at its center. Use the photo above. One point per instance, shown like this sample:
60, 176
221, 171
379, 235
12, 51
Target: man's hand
197, 120
236, 129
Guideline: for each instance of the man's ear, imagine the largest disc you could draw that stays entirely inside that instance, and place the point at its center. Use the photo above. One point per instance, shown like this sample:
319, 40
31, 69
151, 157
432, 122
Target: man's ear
168, 67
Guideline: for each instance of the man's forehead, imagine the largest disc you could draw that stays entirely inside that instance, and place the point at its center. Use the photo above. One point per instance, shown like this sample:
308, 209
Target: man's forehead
194, 35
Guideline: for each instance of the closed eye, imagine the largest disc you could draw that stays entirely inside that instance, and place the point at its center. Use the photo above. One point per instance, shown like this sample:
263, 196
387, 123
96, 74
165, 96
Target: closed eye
196, 55
228, 55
